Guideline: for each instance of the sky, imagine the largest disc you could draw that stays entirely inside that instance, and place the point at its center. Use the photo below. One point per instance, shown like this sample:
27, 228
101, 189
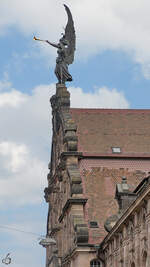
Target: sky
111, 70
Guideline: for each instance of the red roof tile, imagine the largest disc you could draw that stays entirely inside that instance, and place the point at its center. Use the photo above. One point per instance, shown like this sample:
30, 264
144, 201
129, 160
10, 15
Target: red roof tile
101, 129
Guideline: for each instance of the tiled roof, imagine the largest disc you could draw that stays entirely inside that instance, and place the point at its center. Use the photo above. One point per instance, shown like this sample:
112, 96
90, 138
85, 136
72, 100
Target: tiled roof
101, 129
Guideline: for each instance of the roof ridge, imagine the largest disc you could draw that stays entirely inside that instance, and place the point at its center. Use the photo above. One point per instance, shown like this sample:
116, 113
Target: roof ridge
110, 109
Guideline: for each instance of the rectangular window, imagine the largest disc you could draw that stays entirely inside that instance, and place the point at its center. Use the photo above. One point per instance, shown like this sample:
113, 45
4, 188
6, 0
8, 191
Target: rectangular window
93, 224
116, 150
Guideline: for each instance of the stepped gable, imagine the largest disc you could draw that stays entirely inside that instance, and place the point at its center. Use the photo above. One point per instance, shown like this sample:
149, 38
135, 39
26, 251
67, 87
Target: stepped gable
99, 130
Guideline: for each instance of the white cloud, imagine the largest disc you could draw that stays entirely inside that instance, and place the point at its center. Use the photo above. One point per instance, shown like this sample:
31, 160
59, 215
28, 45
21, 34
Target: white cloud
23, 176
100, 98
13, 98
24, 145
9, 96
15, 154
100, 25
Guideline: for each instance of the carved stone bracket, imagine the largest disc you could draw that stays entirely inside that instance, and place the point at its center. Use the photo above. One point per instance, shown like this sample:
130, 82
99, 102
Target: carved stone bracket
74, 174
82, 233
70, 137
75, 179
47, 191
60, 170
72, 201
55, 229
49, 176
81, 230
71, 140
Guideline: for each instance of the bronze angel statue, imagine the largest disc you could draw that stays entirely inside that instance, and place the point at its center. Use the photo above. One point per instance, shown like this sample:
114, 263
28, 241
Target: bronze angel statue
65, 50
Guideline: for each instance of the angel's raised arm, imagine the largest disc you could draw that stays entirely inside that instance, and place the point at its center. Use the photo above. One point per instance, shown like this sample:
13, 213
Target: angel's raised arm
52, 44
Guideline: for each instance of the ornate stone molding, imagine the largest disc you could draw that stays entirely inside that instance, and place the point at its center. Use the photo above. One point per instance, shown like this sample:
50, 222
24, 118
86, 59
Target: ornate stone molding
47, 191
55, 229
64, 169
72, 201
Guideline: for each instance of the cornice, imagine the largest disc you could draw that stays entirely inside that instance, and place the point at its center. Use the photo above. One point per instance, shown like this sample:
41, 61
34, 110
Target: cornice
69, 202
70, 153
115, 155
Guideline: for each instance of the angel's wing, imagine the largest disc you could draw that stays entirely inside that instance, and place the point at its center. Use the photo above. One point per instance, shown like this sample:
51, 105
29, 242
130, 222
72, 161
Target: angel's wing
70, 37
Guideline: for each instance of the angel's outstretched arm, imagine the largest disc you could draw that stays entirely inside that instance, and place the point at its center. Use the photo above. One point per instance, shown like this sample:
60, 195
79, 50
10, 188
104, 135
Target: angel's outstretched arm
52, 44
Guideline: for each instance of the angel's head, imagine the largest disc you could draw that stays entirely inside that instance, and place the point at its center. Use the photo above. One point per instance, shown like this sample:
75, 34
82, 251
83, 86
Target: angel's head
63, 40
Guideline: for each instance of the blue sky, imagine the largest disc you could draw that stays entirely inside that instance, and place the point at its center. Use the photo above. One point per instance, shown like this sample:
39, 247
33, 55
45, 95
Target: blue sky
111, 70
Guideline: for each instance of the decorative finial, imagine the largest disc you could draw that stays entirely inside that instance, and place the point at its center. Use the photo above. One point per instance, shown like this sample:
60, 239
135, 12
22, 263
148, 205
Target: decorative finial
124, 180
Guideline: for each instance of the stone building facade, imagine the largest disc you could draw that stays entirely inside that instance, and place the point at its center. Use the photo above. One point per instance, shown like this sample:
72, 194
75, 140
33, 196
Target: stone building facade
128, 243
91, 150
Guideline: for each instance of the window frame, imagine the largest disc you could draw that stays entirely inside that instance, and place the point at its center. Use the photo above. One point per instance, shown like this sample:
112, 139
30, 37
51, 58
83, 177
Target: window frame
95, 263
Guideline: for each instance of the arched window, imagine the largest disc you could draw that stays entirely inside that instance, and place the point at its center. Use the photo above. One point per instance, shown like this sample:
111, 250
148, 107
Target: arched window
131, 233
133, 264
145, 260
95, 263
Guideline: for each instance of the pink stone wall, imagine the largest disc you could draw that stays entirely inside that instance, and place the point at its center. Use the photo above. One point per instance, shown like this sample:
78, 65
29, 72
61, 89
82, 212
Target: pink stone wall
99, 179
131, 164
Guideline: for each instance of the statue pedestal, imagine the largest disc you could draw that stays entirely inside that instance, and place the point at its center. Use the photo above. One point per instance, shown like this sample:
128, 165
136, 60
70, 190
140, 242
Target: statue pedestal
61, 90
62, 97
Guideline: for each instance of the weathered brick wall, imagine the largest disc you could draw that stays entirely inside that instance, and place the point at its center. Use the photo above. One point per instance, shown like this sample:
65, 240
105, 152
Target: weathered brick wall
99, 178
